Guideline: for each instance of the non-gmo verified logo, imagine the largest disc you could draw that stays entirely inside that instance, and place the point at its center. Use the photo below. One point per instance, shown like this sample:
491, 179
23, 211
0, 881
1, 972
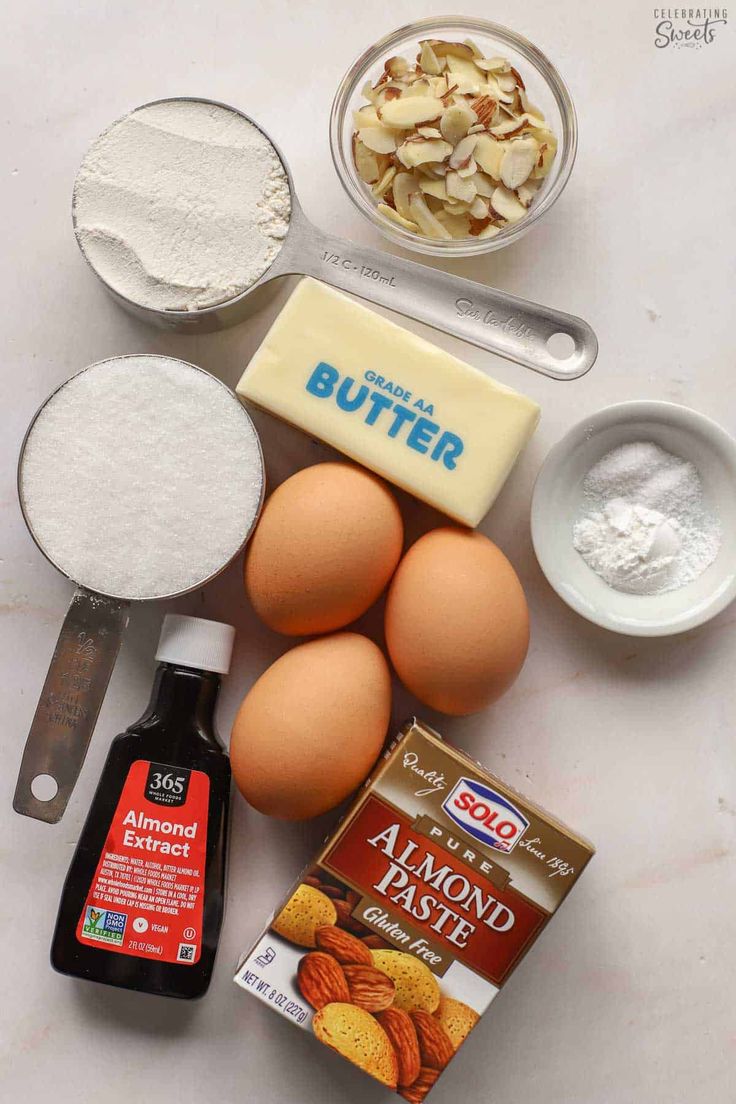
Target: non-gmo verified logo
102, 924
485, 815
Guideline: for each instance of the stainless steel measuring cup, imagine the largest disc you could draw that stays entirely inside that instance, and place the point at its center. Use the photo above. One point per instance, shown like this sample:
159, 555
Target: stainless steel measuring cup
491, 319
84, 657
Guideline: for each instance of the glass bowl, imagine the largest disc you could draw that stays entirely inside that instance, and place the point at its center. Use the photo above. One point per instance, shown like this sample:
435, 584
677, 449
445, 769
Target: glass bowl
546, 89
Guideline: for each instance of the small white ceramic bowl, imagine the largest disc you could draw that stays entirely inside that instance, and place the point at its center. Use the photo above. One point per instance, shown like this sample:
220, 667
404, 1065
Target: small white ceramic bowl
558, 496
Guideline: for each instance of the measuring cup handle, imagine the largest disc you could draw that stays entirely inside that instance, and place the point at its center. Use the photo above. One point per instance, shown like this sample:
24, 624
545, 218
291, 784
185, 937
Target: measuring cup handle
70, 701
491, 319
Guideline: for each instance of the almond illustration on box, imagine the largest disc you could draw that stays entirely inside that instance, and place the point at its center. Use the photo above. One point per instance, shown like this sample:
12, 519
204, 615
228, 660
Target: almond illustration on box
379, 1007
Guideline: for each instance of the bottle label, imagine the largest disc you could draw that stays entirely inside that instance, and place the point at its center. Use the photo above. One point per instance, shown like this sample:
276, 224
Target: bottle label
147, 895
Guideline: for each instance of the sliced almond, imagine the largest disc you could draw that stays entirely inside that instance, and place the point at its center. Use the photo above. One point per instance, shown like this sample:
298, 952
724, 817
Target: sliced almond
462, 154
489, 155
465, 74
475, 50
416, 152
484, 186
455, 122
396, 67
410, 110
429, 132
368, 92
436, 188
544, 164
378, 138
459, 187
476, 225
527, 191
509, 127
479, 208
366, 162
490, 231
491, 87
534, 121
427, 222
492, 65
438, 86
476, 128
420, 87
458, 225
381, 186
505, 99
451, 49
515, 108
528, 106
436, 168
403, 187
547, 151
367, 116
429, 61
394, 216
387, 93
518, 162
485, 108
507, 205
542, 135
517, 77
393, 91
468, 168
456, 206
506, 82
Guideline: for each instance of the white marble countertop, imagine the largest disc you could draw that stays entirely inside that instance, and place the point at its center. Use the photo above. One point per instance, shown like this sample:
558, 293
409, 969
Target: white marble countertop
629, 995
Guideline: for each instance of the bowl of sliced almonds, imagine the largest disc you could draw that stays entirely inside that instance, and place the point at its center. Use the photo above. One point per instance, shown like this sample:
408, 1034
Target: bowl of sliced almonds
453, 136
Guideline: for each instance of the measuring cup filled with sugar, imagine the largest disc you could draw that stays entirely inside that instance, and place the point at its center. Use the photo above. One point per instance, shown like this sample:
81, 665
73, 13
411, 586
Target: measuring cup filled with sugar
185, 206
140, 478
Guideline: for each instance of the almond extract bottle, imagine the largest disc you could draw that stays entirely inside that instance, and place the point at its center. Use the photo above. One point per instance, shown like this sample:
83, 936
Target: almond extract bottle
143, 901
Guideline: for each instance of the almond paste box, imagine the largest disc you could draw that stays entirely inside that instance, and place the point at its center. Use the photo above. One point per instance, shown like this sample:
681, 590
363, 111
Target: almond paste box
422, 902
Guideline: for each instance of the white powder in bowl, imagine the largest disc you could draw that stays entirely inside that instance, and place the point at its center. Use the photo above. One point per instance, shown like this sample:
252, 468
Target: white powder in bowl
645, 528
141, 476
181, 204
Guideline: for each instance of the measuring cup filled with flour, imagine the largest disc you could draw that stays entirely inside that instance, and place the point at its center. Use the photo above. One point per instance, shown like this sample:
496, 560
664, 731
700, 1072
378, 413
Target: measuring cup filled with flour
140, 478
185, 206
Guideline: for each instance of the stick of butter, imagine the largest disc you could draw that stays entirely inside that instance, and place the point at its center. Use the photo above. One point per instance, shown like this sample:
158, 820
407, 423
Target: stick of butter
400, 406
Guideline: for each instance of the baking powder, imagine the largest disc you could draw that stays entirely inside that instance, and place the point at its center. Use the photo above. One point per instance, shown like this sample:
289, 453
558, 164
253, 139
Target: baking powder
181, 205
646, 528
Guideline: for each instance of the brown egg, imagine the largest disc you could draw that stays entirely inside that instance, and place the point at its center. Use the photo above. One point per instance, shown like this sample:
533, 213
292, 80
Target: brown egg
327, 544
457, 623
312, 726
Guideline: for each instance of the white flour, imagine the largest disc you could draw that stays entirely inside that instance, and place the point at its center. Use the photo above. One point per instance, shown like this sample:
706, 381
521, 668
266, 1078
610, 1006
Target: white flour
141, 477
181, 205
646, 529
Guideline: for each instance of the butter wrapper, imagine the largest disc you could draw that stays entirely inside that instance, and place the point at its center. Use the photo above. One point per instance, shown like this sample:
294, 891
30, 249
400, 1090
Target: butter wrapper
414, 914
395, 403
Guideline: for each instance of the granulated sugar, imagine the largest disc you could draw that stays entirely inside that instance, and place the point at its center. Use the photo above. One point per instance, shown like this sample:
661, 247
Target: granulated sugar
181, 205
646, 528
141, 476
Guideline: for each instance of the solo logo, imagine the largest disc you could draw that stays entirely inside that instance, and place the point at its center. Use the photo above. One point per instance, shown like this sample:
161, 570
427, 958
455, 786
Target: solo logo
485, 815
